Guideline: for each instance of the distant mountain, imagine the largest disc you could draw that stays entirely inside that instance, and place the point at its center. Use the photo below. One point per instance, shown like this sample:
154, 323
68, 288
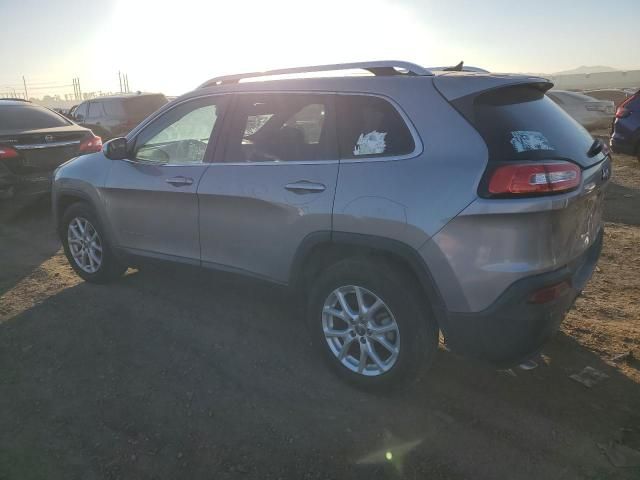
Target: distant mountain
583, 70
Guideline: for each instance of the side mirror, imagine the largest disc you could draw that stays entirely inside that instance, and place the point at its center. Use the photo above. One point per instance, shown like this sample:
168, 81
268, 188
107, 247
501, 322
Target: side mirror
116, 149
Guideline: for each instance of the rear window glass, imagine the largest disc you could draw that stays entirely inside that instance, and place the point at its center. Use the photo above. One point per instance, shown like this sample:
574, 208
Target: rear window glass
371, 127
141, 107
522, 123
29, 117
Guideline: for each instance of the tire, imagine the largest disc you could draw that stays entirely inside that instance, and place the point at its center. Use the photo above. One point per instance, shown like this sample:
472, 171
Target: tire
416, 336
107, 267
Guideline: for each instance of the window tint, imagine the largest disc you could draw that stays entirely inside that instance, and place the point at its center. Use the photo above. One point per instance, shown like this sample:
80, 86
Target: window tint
28, 117
181, 135
281, 128
522, 123
371, 127
95, 110
113, 108
81, 112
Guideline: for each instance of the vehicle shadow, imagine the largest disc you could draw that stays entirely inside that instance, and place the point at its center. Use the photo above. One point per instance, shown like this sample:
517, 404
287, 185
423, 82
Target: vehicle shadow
178, 374
618, 207
27, 239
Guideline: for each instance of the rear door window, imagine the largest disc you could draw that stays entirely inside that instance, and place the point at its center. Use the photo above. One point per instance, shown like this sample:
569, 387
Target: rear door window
29, 117
282, 127
522, 123
95, 110
370, 127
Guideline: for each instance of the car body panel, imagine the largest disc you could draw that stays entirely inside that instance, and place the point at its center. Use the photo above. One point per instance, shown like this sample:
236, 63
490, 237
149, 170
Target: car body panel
250, 222
495, 242
149, 215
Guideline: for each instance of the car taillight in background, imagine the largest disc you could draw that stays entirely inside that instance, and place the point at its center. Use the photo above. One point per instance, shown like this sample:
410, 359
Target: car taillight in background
7, 152
622, 110
91, 145
534, 178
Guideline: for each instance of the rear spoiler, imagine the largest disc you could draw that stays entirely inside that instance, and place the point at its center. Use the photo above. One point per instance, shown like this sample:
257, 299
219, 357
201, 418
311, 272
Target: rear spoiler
456, 85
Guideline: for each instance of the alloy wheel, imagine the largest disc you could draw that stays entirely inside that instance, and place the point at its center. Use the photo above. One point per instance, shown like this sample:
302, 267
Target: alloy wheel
360, 330
85, 244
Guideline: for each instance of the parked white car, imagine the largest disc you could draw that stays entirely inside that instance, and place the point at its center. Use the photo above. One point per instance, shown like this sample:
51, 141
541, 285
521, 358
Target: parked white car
588, 111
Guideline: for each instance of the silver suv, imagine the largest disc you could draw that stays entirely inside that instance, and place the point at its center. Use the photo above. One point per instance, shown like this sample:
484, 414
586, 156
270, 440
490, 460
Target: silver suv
403, 203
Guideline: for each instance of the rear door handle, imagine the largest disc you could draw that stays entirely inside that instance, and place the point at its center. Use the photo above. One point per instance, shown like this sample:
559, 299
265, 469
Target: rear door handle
304, 186
180, 181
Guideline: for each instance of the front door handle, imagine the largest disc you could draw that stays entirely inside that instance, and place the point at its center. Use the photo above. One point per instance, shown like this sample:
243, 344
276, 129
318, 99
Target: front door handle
180, 181
304, 186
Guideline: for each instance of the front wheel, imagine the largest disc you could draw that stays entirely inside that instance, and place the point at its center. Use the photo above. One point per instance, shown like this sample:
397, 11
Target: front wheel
370, 325
86, 246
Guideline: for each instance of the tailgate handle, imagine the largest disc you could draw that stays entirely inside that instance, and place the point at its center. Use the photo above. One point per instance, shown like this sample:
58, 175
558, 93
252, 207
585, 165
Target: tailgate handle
180, 181
303, 186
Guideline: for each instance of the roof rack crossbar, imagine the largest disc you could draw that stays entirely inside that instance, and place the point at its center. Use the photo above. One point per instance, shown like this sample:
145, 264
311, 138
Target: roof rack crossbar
378, 68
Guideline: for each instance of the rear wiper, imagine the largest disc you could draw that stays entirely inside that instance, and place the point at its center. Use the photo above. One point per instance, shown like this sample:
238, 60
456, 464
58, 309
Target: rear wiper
596, 148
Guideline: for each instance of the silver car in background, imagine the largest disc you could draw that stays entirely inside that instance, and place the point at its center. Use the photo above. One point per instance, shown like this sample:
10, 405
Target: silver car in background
398, 205
587, 111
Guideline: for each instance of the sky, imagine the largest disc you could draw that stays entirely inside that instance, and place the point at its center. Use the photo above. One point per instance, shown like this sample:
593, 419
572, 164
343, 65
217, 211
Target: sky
176, 45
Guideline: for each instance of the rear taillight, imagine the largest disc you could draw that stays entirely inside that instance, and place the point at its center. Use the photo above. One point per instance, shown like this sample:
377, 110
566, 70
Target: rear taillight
534, 178
91, 144
622, 110
7, 152
549, 294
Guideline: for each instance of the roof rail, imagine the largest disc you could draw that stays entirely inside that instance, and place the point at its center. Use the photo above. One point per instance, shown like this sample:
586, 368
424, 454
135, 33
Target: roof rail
378, 68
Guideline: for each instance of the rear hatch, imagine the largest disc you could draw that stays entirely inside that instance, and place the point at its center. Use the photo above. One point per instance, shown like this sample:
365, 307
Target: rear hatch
536, 152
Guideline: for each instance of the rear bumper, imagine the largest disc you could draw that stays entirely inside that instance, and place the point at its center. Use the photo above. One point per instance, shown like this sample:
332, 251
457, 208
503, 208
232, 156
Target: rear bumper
12, 185
512, 330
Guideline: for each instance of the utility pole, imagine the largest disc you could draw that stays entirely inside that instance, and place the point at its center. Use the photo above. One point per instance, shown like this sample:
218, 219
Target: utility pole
126, 77
120, 80
24, 82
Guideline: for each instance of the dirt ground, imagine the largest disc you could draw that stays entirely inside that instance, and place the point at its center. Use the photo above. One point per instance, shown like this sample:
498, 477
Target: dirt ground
172, 373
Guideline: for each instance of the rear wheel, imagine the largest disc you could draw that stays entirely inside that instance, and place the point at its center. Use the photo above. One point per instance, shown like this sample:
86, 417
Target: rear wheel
369, 324
87, 247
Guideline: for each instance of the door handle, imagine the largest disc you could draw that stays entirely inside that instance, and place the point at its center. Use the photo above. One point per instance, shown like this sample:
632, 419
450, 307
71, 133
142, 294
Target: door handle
303, 186
180, 181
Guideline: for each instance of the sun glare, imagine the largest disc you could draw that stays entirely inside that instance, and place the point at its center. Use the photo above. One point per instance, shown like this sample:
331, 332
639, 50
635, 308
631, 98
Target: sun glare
176, 48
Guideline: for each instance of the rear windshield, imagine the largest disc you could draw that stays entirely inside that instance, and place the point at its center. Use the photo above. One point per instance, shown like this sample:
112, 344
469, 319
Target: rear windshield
29, 117
141, 107
522, 123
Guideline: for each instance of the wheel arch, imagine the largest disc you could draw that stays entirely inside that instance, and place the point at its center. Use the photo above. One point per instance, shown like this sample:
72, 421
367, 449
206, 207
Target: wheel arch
321, 249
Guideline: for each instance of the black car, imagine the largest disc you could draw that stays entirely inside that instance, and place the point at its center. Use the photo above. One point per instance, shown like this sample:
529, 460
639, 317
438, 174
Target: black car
116, 116
33, 142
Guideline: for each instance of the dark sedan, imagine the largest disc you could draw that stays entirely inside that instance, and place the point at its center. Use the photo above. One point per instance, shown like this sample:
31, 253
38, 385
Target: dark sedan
33, 142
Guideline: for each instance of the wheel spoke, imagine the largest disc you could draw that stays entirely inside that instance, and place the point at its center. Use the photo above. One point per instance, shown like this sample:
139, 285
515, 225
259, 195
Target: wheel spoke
336, 313
375, 307
345, 348
382, 329
374, 356
344, 304
94, 258
97, 247
385, 343
362, 308
363, 359
330, 332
